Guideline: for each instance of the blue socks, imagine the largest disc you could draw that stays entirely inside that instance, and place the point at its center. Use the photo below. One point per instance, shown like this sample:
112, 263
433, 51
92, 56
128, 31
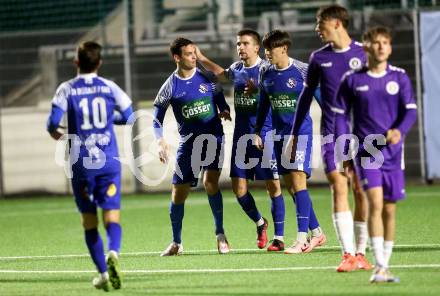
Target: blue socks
176, 216
216, 203
247, 203
305, 215
278, 212
96, 249
114, 234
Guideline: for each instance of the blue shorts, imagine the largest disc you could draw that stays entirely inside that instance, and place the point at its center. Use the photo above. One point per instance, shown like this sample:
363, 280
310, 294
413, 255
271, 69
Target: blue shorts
302, 157
103, 190
193, 156
247, 162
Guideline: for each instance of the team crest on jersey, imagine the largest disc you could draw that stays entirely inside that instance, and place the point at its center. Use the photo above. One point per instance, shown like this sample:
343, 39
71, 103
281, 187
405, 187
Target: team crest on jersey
355, 63
392, 88
111, 191
291, 83
203, 88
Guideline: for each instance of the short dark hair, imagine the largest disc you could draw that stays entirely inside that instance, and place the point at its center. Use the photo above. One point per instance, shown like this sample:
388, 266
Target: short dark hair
88, 56
372, 33
254, 34
334, 12
276, 38
177, 44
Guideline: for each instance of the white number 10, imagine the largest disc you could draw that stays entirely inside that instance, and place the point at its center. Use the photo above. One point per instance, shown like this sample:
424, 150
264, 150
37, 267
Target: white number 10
99, 113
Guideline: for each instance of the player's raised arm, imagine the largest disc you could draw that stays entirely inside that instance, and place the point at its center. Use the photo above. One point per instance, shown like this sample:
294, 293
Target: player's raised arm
209, 65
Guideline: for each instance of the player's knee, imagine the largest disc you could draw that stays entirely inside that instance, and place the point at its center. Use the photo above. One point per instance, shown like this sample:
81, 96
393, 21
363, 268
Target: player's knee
210, 187
89, 221
239, 190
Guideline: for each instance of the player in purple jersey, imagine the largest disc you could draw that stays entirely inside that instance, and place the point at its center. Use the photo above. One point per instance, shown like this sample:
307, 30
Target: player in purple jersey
326, 68
195, 100
93, 104
381, 102
280, 86
242, 74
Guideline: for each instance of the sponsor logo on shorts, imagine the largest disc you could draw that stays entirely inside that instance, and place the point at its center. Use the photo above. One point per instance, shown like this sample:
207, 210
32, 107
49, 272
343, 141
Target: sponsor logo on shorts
111, 190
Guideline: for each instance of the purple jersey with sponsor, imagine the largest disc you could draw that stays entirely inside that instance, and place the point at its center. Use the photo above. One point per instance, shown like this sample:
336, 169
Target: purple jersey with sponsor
378, 102
326, 68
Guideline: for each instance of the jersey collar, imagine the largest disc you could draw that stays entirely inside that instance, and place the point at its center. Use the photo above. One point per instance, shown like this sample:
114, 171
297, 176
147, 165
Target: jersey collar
288, 66
188, 78
257, 62
87, 75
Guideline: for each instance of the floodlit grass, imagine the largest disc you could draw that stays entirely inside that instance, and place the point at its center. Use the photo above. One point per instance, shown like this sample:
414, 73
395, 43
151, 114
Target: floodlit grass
39, 237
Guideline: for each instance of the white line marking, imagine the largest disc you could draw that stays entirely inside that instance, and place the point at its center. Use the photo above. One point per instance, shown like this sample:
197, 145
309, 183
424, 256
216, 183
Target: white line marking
204, 270
201, 252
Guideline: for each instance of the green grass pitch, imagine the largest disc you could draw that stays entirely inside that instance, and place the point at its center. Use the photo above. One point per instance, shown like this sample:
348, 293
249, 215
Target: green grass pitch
42, 251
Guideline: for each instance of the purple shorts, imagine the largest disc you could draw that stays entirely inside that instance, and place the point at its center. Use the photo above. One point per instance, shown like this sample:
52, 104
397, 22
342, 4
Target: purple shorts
328, 157
392, 182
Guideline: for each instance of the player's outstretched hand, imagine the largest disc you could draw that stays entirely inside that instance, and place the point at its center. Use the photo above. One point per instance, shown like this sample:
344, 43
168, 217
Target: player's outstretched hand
258, 142
163, 150
225, 115
393, 136
250, 88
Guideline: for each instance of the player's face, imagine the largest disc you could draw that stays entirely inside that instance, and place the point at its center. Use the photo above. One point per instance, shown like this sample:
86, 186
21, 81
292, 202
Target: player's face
247, 47
187, 59
276, 54
326, 29
379, 49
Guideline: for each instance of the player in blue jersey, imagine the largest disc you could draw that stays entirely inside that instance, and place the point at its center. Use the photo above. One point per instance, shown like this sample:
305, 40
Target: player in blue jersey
380, 100
93, 104
280, 85
241, 74
198, 104
326, 68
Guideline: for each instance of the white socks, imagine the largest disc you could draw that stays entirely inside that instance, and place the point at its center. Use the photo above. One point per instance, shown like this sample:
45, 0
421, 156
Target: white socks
361, 236
343, 223
316, 232
387, 251
278, 237
378, 250
260, 222
301, 237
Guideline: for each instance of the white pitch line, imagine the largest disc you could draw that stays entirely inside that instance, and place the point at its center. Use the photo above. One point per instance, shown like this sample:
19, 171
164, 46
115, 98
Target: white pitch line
205, 270
201, 252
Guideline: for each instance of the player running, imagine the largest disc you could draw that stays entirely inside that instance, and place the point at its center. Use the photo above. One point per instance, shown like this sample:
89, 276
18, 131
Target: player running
326, 68
195, 99
280, 85
381, 101
93, 104
242, 74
